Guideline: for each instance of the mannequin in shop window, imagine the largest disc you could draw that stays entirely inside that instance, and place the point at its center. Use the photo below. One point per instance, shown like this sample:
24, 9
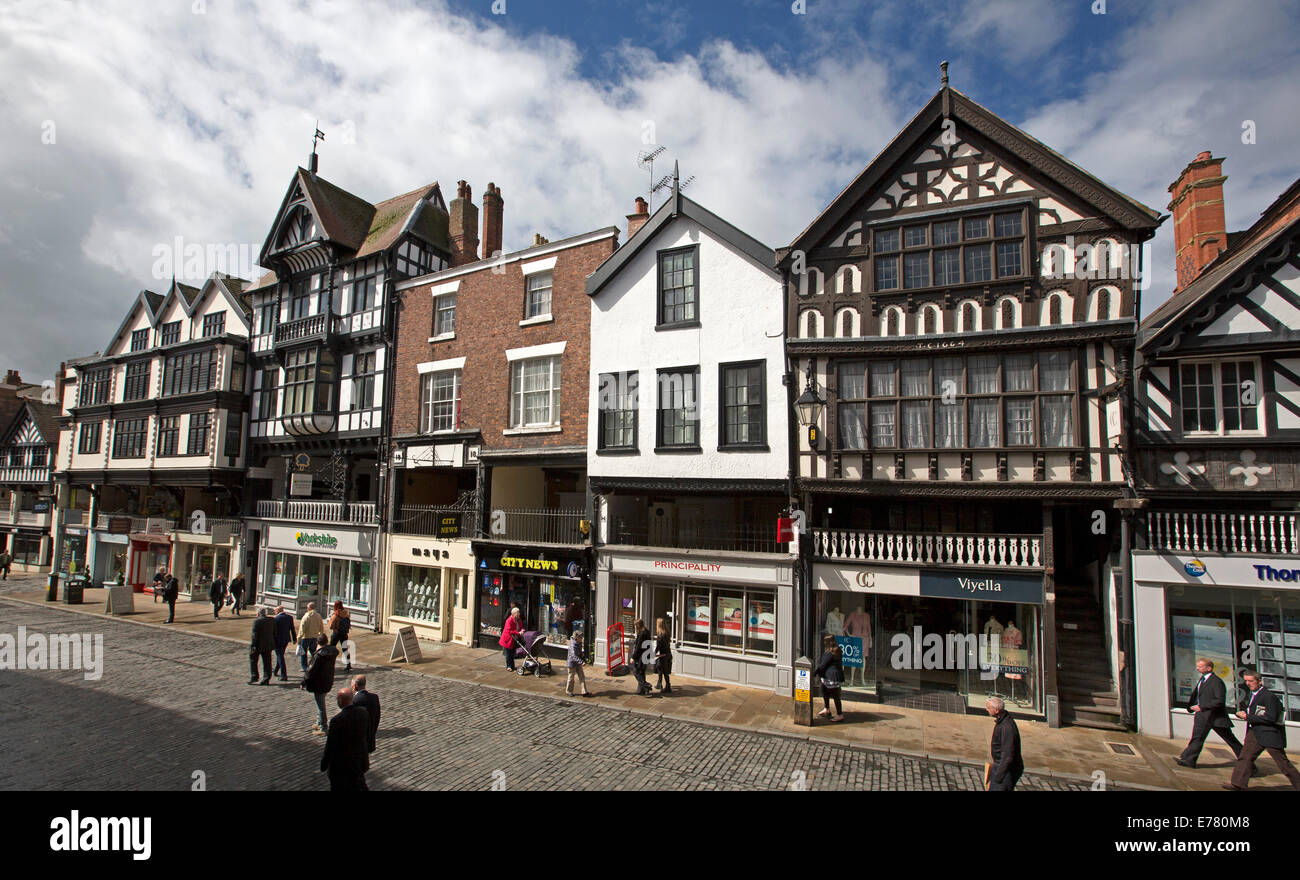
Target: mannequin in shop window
858, 626
834, 622
992, 640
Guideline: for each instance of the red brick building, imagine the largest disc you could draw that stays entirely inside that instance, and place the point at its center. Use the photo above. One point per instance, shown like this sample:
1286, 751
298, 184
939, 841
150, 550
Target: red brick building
489, 432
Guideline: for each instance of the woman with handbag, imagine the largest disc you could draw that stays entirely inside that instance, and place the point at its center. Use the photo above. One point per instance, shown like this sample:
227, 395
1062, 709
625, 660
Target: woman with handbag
340, 626
831, 673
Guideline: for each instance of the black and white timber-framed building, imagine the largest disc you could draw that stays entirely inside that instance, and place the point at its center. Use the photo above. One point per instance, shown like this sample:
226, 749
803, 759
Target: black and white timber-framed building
961, 317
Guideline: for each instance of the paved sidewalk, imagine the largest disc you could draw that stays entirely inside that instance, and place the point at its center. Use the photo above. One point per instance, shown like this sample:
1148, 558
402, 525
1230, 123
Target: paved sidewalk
1068, 752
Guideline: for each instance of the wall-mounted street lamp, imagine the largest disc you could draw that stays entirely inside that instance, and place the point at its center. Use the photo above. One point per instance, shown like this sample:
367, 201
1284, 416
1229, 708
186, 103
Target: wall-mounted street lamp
808, 405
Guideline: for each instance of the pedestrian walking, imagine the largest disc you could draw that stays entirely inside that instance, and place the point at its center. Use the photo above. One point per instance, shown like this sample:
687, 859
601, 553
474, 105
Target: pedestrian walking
159, 583
310, 629
5, 561
347, 757
217, 596
573, 614
574, 665
1208, 704
642, 651
170, 593
340, 626
370, 702
1007, 766
260, 647
286, 634
237, 594
1265, 732
663, 657
830, 672
514, 627
319, 679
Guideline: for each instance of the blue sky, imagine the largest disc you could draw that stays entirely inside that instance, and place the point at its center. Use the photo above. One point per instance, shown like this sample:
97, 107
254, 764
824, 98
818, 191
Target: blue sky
127, 123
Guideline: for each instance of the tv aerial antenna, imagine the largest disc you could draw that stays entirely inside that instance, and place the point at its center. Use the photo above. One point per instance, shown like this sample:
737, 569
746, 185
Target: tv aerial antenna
646, 159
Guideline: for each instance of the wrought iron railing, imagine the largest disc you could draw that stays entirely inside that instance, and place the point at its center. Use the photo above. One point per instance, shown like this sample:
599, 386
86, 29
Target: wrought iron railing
539, 526
436, 521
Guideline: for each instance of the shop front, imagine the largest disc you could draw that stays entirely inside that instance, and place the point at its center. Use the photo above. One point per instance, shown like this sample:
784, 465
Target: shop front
729, 615
146, 554
1239, 612
429, 586
934, 639
543, 582
107, 551
320, 563
27, 547
73, 551
199, 558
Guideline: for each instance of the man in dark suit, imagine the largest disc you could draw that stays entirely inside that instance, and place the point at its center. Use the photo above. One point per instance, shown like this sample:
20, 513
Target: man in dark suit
1265, 732
1208, 704
1007, 766
370, 702
261, 646
346, 757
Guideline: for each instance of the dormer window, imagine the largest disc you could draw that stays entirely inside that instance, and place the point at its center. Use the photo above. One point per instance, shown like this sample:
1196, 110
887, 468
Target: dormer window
139, 340
170, 334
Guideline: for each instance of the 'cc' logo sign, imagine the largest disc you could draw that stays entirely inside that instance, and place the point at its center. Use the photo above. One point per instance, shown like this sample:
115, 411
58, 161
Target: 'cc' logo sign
866, 579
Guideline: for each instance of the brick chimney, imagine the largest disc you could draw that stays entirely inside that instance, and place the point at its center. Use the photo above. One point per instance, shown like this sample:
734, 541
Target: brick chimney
493, 206
11, 378
1200, 227
539, 239
463, 226
636, 220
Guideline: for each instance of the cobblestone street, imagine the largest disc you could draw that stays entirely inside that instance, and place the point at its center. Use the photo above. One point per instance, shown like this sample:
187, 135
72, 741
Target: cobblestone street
170, 704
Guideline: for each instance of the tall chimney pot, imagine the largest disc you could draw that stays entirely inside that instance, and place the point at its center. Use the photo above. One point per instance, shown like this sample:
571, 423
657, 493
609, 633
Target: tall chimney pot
493, 207
1200, 225
463, 226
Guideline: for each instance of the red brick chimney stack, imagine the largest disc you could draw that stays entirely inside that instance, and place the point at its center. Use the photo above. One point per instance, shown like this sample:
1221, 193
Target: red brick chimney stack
493, 205
463, 226
636, 220
11, 378
1200, 227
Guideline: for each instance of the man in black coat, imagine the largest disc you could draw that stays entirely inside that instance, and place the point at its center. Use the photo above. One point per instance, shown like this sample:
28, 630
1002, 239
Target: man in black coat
347, 757
171, 592
1208, 704
217, 595
1004, 749
1265, 732
261, 646
368, 701
320, 679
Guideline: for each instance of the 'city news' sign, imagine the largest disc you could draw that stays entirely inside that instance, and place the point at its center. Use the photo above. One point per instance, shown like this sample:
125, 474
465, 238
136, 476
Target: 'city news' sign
983, 586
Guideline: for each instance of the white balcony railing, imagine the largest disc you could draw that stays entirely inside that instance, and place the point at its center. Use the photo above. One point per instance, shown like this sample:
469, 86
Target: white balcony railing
1225, 532
983, 551
153, 525
359, 512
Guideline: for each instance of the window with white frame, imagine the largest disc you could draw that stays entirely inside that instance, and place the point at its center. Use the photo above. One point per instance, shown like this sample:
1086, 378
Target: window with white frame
535, 392
444, 315
1219, 397
537, 296
440, 401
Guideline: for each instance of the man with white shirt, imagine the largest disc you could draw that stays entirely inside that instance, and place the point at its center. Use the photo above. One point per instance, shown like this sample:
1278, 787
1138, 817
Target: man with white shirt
1208, 704
1265, 732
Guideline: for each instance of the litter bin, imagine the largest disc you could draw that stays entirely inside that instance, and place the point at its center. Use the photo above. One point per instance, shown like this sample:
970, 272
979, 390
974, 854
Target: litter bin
52, 588
74, 591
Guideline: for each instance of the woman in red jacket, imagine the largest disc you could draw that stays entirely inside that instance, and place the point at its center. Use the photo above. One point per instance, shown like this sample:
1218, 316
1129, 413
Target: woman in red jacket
514, 627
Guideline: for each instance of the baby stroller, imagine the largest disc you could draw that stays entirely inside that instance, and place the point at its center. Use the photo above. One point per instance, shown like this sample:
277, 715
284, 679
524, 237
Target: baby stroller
528, 646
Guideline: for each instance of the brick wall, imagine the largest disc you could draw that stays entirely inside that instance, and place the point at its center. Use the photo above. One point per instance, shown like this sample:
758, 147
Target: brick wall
489, 307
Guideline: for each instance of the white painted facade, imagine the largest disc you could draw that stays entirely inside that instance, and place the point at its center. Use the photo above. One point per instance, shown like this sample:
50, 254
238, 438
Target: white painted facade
740, 308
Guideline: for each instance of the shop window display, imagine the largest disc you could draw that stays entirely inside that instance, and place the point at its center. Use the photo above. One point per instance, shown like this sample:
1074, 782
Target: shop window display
417, 592
941, 654
715, 618
74, 554
1236, 629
